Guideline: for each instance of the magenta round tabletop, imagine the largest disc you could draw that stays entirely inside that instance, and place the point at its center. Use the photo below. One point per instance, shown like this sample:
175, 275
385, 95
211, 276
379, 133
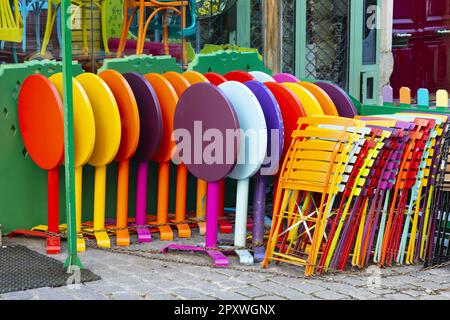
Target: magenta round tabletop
285, 77
150, 117
205, 104
341, 99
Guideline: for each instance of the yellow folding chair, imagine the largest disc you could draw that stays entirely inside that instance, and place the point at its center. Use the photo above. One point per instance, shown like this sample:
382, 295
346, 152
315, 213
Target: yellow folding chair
313, 169
11, 23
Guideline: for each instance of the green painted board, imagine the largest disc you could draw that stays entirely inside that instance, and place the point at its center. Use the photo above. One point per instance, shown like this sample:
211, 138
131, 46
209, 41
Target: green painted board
223, 62
23, 186
370, 110
142, 64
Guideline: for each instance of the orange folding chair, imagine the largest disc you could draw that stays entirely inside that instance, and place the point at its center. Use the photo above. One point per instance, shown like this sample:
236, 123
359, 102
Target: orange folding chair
165, 7
312, 172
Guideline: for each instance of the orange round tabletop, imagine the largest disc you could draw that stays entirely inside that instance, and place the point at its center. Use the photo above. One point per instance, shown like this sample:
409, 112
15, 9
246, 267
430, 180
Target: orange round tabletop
168, 100
195, 77
178, 82
328, 106
129, 114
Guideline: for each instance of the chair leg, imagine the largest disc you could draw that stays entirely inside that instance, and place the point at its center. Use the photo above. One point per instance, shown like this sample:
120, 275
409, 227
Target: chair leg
58, 30
84, 31
48, 27
24, 19
141, 35
123, 35
38, 10
166, 34
104, 35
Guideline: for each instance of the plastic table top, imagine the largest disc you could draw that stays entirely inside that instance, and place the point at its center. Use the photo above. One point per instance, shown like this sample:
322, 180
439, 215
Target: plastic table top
309, 102
197, 104
253, 143
150, 117
168, 100
328, 106
129, 113
341, 99
274, 123
83, 120
41, 124
107, 119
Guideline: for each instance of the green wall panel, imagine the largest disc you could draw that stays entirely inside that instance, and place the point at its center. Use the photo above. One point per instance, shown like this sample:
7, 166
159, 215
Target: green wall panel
23, 186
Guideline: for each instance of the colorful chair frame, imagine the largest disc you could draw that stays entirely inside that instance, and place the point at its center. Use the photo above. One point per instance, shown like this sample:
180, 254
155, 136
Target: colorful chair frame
164, 7
52, 15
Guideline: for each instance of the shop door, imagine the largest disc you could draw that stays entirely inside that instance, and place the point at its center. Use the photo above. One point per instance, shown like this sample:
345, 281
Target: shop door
421, 45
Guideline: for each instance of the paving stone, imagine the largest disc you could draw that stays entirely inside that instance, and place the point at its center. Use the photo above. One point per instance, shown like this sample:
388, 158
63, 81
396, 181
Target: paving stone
280, 290
430, 285
19, 295
346, 289
227, 295
150, 296
397, 296
191, 294
125, 296
231, 284
144, 288
50, 294
251, 292
270, 298
330, 295
305, 286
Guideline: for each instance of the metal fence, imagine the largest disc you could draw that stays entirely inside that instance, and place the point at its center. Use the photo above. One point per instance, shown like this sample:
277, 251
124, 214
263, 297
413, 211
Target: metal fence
257, 25
288, 37
327, 39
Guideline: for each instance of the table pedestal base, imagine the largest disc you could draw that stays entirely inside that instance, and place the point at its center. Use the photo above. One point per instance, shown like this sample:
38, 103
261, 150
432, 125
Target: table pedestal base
144, 235
219, 259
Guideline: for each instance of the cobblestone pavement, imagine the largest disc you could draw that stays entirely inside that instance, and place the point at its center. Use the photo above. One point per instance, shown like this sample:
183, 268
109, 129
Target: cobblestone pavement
152, 278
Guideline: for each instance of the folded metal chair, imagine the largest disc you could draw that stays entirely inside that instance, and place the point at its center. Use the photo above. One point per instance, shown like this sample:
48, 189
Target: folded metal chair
311, 176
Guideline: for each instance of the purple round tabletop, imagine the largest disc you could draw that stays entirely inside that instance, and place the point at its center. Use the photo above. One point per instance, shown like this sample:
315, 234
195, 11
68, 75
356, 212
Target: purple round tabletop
205, 104
285, 77
344, 104
274, 121
149, 114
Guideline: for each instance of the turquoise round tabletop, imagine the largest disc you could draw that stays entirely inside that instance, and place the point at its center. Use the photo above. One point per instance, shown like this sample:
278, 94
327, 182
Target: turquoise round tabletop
253, 142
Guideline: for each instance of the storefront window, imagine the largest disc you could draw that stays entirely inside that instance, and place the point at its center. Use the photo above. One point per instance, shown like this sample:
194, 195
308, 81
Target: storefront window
93, 39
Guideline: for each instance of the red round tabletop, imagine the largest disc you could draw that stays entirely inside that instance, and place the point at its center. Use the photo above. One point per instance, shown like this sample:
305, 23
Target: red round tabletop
291, 109
239, 76
41, 121
215, 78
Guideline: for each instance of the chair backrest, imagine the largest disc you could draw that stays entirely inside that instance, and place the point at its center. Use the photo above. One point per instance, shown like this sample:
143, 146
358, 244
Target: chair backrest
11, 24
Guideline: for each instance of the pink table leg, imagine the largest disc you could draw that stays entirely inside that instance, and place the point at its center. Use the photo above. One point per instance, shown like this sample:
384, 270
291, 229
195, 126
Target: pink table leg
212, 208
144, 234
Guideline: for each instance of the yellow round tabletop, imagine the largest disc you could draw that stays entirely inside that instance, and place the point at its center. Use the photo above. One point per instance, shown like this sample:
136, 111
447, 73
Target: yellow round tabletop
328, 106
195, 77
310, 104
129, 113
107, 119
168, 100
83, 120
